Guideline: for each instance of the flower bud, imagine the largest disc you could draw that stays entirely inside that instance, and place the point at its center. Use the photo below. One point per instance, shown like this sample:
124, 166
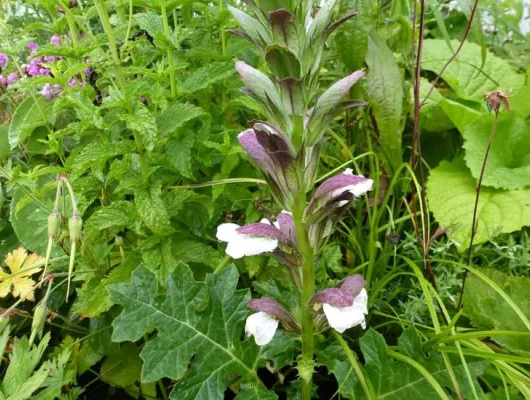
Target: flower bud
54, 225
39, 317
75, 226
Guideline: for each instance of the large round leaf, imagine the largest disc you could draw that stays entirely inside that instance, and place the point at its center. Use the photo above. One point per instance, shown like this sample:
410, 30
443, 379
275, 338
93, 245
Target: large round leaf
508, 165
29, 218
451, 196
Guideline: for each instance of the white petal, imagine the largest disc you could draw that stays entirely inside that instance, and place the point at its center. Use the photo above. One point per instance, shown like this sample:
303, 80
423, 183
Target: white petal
344, 318
227, 232
357, 189
348, 171
265, 221
262, 326
243, 245
361, 301
343, 202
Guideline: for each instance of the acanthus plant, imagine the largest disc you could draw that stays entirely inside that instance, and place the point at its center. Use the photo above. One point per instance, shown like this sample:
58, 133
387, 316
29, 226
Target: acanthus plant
286, 148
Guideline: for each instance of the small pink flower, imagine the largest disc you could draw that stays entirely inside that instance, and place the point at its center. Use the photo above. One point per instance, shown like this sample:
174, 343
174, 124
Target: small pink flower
3, 60
55, 40
11, 78
33, 47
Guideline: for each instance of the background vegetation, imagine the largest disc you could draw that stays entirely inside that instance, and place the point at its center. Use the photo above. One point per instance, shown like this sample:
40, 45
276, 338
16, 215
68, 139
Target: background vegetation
135, 106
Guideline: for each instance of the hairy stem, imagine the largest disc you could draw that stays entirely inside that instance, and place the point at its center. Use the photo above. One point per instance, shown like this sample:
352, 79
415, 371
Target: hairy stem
308, 289
475, 208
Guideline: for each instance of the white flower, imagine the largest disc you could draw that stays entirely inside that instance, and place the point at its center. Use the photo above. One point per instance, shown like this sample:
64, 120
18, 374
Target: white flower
357, 188
262, 326
240, 245
344, 318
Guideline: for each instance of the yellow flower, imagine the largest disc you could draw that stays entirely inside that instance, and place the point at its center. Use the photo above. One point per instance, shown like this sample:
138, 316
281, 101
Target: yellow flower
19, 263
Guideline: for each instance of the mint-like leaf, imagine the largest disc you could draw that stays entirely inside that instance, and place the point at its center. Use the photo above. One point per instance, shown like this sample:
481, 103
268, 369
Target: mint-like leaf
200, 325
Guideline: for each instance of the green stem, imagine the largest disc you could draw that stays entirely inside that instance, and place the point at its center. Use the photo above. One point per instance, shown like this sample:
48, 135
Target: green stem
367, 388
105, 21
70, 21
306, 363
169, 50
223, 36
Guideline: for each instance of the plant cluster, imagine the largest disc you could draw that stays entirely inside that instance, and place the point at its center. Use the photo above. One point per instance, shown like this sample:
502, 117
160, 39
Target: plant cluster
273, 199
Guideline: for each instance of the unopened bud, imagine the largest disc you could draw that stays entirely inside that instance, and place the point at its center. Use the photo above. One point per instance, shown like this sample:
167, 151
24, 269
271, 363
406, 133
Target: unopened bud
75, 226
39, 317
54, 225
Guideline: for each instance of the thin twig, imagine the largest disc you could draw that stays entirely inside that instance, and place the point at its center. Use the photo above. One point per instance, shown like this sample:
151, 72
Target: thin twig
416, 145
475, 209
455, 54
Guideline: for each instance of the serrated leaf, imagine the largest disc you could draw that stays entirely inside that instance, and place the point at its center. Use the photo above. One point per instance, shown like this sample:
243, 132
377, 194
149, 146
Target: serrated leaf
396, 380
488, 310
352, 38
93, 298
451, 197
199, 329
152, 210
191, 251
22, 378
461, 75
119, 214
255, 393
177, 115
208, 75
122, 369
29, 114
85, 110
93, 154
385, 95
508, 164
179, 154
143, 123
151, 22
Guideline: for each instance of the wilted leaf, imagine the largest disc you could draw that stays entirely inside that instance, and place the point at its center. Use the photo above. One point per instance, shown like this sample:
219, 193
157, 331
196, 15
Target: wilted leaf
18, 280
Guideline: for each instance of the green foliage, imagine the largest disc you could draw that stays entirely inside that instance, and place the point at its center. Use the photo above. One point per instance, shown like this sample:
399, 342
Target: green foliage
508, 165
451, 194
385, 94
199, 319
488, 310
466, 75
392, 379
144, 128
29, 114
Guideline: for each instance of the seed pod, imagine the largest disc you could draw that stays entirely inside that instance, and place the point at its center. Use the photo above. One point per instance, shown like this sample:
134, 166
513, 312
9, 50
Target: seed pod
54, 225
75, 226
39, 317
